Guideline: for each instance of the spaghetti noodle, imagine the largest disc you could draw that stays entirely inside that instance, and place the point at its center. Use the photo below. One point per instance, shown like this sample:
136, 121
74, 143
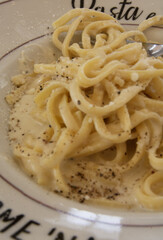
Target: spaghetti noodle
89, 125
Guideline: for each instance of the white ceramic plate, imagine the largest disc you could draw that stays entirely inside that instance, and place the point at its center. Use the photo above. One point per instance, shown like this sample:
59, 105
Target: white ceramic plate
28, 212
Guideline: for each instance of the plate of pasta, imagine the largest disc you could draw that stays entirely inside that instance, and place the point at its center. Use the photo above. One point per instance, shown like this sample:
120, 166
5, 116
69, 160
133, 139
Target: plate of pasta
81, 146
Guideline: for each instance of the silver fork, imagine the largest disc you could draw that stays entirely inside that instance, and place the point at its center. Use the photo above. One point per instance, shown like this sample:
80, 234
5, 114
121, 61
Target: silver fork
153, 49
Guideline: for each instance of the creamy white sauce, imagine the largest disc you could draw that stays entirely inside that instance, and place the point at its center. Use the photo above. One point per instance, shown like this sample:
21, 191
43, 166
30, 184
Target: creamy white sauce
87, 176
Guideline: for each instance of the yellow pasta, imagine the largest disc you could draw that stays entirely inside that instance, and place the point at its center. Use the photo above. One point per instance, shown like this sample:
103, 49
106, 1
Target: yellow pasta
89, 125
